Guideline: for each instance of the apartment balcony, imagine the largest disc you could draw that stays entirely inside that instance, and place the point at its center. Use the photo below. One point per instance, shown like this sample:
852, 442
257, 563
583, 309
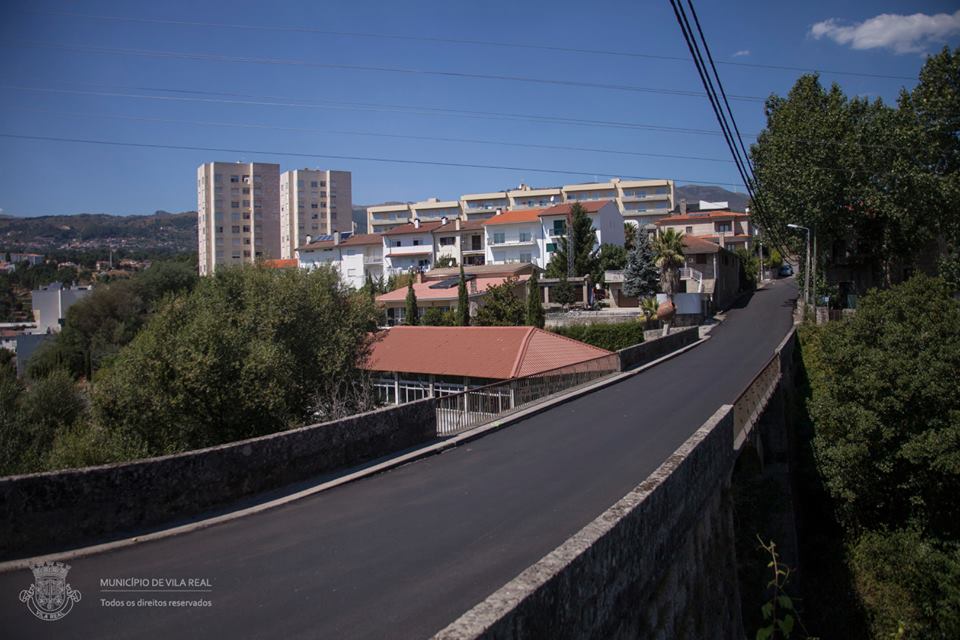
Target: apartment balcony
416, 250
645, 198
372, 259
511, 243
472, 251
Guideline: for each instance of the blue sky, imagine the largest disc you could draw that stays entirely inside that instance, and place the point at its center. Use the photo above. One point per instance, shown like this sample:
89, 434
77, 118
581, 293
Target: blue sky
53, 85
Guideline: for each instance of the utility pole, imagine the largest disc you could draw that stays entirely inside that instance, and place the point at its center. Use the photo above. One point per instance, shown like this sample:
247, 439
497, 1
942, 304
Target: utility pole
760, 253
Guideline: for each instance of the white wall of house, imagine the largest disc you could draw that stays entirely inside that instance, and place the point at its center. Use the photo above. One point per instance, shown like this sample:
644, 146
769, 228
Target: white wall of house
519, 242
403, 252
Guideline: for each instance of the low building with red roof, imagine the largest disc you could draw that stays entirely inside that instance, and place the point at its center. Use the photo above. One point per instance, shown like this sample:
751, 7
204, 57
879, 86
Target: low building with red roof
444, 294
355, 256
411, 363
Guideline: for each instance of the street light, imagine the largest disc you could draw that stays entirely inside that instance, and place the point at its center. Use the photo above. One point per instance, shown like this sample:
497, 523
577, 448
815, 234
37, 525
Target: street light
806, 272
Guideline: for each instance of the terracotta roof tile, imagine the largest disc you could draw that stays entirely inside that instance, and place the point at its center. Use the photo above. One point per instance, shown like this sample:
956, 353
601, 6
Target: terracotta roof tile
363, 238
281, 264
425, 227
706, 215
499, 353
515, 216
423, 290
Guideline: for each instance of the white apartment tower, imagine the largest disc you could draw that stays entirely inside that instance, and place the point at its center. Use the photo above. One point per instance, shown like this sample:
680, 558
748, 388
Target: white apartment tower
238, 213
313, 202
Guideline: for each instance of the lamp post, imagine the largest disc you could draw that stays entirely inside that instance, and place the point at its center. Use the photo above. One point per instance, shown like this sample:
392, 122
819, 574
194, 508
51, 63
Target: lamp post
806, 271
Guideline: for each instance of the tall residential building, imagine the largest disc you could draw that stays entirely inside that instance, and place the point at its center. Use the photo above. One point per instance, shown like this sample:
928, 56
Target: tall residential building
640, 201
313, 202
238, 213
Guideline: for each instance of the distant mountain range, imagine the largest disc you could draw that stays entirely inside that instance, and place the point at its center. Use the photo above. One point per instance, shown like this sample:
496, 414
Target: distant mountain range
177, 232
693, 194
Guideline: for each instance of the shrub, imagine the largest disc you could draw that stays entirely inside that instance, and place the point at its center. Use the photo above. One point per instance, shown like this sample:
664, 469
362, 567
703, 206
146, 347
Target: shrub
612, 337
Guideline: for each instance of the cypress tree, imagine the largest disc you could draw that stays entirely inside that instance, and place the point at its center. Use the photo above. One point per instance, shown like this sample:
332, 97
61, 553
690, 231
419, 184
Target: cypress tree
463, 301
535, 317
412, 312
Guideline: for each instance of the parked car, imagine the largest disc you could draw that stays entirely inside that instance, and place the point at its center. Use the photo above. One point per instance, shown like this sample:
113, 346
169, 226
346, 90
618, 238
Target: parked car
785, 271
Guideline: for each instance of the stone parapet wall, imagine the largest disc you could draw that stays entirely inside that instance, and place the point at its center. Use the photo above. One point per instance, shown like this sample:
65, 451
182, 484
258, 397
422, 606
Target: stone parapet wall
63, 509
645, 352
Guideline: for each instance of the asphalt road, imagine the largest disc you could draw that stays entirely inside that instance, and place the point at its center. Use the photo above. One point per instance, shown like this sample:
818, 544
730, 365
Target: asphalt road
404, 553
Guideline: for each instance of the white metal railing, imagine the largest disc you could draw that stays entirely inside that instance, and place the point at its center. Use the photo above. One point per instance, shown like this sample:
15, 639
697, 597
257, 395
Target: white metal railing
462, 411
688, 273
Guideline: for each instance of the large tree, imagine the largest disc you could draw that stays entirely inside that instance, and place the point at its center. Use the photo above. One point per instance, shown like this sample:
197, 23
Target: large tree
877, 183
250, 351
411, 308
641, 277
668, 249
501, 306
585, 250
463, 301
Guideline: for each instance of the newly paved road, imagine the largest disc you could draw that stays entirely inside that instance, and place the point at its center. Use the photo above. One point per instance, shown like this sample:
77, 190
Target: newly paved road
402, 554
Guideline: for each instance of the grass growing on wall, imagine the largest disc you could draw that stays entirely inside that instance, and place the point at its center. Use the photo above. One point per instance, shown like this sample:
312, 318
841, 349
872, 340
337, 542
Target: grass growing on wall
612, 337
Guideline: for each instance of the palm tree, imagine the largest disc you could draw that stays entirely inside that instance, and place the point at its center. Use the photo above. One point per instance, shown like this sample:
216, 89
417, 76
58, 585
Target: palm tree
648, 307
668, 248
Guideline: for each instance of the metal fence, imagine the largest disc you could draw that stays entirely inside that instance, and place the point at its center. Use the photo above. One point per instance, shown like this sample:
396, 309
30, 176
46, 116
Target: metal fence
751, 403
462, 411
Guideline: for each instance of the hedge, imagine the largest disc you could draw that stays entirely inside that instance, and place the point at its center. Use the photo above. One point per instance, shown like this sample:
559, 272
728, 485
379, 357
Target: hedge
612, 337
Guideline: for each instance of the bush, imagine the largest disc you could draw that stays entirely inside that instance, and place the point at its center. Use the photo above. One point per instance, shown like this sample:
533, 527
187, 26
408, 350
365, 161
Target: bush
909, 584
611, 337
436, 317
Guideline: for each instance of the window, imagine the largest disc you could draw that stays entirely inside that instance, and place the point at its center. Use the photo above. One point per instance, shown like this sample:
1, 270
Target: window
314, 205
314, 184
219, 229
723, 227
235, 191
524, 237
246, 228
499, 237
300, 184
689, 229
235, 178
525, 257
246, 203
551, 247
396, 243
559, 227
246, 191
448, 241
416, 243
476, 243
235, 204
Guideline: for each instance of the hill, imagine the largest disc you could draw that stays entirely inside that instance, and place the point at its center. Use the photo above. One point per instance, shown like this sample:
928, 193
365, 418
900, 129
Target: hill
159, 231
694, 193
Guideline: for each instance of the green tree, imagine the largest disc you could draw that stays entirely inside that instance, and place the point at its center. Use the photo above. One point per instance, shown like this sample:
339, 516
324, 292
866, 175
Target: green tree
668, 249
611, 257
501, 306
630, 233
446, 261
641, 277
886, 410
436, 317
463, 301
585, 250
535, 315
563, 292
411, 310
249, 351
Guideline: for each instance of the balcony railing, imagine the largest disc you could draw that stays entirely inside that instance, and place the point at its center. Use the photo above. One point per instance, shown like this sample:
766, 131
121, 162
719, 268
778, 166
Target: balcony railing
511, 243
462, 411
372, 259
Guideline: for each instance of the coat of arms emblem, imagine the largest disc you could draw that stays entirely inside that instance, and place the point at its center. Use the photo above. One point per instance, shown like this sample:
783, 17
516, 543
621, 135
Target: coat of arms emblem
50, 597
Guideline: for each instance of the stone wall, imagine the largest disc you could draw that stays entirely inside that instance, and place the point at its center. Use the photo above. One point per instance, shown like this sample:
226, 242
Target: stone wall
67, 508
645, 352
658, 564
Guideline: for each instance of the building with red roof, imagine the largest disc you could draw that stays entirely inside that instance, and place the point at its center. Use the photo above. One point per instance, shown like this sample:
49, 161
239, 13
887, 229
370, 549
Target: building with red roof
444, 294
354, 256
727, 228
410, 363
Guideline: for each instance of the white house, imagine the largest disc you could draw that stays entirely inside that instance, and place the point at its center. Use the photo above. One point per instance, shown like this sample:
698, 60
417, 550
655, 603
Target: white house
532, 235
409, 246
50, 304
354, 256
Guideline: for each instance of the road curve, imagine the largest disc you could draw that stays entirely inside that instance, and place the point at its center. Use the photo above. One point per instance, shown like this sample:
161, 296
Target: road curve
404, 553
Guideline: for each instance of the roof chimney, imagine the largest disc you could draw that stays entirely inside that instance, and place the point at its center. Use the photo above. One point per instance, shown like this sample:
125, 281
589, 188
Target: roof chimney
419, 276
456, 224
683, 206
443, 220
416, 223
336, 237
309, 238
499, 211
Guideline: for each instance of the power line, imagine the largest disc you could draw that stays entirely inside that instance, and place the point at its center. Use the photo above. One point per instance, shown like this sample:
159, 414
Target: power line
260, 100
327, 156
459, 41
210, 57
373, 134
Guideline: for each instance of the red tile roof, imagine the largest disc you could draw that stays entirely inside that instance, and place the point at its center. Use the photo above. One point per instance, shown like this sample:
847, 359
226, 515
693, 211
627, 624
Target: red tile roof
363, 238
425, 227
424, 292
281, 264
590, 206
499, 353
515, 216
694, 245
706, 215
